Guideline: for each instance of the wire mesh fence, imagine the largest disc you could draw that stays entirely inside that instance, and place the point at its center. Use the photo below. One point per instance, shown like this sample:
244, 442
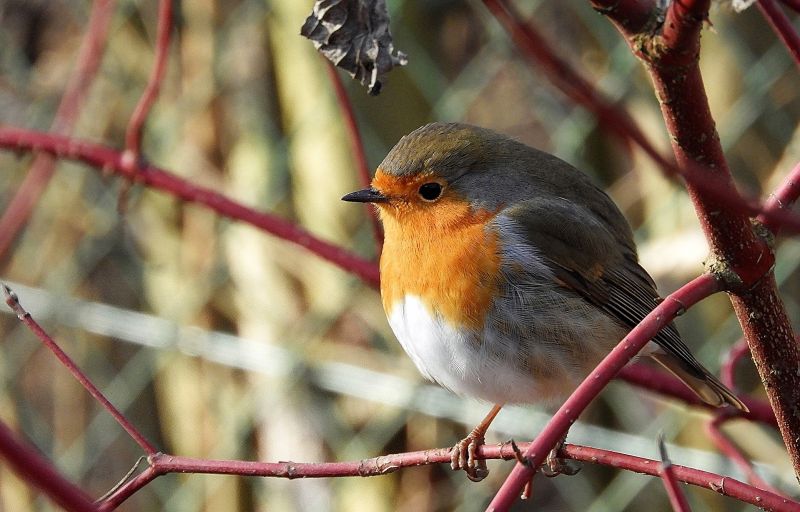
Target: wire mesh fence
219, 341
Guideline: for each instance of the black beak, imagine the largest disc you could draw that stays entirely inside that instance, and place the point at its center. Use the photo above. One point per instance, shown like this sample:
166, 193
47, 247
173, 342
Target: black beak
368, 195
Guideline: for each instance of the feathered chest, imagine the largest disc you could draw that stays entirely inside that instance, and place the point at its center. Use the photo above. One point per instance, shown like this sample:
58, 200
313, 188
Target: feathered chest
453, 272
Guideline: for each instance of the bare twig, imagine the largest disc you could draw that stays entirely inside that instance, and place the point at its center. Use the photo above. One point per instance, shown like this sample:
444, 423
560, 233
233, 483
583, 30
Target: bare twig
720, 484
13, 302
667, 385
737, 352
633, 15
676, 497
782, 199
685, 297
356, 146
161, 464
792, 4
110, 160
26, 462
21, 205
133, 134
782, 26
535, 48
726, 446
738, 256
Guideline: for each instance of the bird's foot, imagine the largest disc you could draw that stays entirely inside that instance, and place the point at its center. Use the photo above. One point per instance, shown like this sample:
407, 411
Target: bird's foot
463, 456
555, 465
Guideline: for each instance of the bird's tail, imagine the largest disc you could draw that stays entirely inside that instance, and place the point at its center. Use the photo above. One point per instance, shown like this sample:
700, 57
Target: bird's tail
707, 387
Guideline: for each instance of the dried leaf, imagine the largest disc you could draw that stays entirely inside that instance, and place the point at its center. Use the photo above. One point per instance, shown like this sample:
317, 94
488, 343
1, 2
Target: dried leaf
354, 35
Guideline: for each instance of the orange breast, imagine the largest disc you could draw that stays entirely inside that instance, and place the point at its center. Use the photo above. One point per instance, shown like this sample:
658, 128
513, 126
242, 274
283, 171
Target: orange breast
442, 254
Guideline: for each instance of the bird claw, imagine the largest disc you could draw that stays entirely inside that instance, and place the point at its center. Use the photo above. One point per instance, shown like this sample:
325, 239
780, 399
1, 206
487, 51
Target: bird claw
464, 456
554, 465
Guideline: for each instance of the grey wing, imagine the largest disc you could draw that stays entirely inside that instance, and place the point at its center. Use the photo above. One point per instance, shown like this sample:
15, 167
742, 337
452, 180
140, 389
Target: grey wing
600, 266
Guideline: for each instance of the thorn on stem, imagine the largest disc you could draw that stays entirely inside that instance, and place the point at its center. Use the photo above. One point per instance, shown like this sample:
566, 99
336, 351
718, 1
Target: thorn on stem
518, 454
11, 295
662, 450
527, 491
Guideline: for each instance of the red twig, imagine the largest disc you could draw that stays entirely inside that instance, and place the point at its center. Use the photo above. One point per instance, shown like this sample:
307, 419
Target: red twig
726, 446
727, 372
632, 15
792, 4
738, 256
629, 15
34, 469
13, 302
111, 160
720, 484
782, 26
125, 491
667, 385
133, 134
356, 146
676, 497
26, 197
162, 464
782, 199
688, 295
535, 48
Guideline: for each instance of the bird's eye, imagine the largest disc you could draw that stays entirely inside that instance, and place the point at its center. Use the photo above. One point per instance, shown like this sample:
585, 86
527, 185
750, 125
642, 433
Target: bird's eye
430, 191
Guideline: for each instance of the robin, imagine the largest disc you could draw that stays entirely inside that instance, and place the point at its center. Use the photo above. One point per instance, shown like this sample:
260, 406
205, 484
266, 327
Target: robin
507, 275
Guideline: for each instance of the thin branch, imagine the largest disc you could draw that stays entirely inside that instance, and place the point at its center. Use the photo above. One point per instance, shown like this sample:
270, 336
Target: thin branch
535, 48
726, 446
727, 371
34, 469
13, 302
739, 257
685, 297
667, 385
356, 146
26, 197
782, 26
110, 160
676, 497
544, 58
114, 499
631, 16
792, 4
782, 199
721, 484
161, 464
133, 134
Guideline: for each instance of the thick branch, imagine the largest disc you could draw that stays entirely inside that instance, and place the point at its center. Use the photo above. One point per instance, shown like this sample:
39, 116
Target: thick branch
738, 256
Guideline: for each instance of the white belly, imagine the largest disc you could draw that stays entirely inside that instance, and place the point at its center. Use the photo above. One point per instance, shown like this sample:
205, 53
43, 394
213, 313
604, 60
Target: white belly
459, 361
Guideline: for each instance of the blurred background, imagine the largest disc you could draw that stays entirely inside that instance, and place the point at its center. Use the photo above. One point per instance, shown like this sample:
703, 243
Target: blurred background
219, 341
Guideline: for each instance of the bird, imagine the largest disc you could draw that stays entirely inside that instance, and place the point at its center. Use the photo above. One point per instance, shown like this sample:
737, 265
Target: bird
507, 274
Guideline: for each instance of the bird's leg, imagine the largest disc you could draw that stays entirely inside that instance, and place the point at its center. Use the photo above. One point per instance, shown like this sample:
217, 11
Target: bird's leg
463, 454
555, 466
